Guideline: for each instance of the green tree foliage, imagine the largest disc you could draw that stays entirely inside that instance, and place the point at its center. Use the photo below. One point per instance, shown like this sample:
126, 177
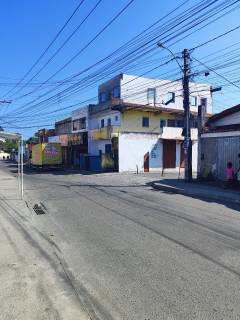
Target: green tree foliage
9, 145
32, 140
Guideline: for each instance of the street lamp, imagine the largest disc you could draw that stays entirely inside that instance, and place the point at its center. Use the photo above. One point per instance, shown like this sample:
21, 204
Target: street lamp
162, 45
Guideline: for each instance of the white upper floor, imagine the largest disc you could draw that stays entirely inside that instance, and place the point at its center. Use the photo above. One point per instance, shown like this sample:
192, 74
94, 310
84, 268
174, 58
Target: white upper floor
111, 118
155, 92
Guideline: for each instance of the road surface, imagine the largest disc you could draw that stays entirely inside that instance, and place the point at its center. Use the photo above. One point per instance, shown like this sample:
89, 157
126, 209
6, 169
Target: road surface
130, 252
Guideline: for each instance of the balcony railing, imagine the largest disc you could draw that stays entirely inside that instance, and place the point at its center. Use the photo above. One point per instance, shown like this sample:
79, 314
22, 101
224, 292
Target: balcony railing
105, 133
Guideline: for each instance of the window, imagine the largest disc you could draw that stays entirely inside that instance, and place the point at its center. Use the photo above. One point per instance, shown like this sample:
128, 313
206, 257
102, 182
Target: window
82, 123
180, 123
170, 98
102, 123
75, 125
79, 124
163, 123
116, 92
151, 95
102, 97
193, 101
116, 118
109, 121
171, 123
145, 122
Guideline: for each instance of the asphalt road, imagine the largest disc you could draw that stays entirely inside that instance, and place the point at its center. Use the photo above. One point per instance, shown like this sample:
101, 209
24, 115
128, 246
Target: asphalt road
134, 253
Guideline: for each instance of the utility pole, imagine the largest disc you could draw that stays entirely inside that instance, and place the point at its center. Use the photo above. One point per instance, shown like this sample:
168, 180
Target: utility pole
187, 114
21, 167
200, 128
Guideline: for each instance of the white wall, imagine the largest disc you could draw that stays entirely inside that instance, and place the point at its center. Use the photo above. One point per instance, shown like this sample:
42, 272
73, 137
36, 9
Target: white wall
95, 145
95, 121
133, 146
228, 120
178, 154
194, 156
134, 90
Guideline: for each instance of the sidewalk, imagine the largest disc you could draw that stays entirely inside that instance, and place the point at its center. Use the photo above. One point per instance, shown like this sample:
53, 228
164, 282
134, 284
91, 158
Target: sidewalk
197, 189
34, 283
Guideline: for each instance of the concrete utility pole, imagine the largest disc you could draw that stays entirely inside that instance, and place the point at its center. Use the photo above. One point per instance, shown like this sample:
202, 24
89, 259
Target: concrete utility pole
21, 168
187, 114
200, 127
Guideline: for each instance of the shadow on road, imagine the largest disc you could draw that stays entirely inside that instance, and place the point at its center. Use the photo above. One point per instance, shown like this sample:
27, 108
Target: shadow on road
207, 193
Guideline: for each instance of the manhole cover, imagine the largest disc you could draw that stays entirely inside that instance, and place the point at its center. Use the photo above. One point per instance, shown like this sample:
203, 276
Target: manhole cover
38, 209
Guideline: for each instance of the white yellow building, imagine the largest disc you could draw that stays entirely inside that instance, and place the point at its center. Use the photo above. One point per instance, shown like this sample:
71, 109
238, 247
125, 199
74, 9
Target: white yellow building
139, 122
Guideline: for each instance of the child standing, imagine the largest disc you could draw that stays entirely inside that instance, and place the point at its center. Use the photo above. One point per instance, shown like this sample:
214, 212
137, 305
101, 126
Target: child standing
229, 172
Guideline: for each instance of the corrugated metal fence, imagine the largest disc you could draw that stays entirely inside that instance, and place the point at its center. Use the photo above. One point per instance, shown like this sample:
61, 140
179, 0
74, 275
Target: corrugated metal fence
216, 153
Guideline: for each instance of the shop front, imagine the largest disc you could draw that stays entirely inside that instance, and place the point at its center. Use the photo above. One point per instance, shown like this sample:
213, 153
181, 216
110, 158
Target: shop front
78, 143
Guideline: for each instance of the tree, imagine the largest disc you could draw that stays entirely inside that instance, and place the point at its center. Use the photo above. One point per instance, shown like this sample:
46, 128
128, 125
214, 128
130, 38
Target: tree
9, 145
32, 140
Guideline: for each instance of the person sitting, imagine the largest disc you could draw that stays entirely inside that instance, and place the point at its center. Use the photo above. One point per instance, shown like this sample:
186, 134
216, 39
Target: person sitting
230, 176
229, 172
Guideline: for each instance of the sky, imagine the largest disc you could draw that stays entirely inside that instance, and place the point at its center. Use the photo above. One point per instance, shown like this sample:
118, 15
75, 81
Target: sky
28, 27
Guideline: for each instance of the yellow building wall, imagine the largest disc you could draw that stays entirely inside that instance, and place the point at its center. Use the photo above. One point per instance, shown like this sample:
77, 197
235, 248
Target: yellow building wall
132, 121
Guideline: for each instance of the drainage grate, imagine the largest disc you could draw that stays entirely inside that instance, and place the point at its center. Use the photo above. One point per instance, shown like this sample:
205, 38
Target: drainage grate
38, 209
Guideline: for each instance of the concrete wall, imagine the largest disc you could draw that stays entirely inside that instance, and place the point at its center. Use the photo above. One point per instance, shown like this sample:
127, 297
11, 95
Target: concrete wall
194, 156
95, 120
134, 90
132, 121
95, 145
132, 148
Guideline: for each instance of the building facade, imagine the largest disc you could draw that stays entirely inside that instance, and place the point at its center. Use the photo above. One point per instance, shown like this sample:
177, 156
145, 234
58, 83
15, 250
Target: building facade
79, 139
138, 122
63, 130
220, 144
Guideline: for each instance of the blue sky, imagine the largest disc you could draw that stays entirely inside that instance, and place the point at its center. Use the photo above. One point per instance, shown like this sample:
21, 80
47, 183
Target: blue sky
27, 27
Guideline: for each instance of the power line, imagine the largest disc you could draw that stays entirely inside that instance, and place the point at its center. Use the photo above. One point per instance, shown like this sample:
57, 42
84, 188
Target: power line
88, 44
48, 47
223, 77
216, 38
60, 48
196, 8
82, 80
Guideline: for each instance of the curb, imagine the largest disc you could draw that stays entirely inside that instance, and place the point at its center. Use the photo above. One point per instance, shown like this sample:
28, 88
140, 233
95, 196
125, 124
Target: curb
170, 189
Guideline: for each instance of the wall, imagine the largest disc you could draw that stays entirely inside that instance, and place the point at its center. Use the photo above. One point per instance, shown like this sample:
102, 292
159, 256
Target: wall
134, 90
63, 127
95, 145
132, 121
81, 113
95, 123
229, 120
95, 120
194, 156
217, 152
132, 148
